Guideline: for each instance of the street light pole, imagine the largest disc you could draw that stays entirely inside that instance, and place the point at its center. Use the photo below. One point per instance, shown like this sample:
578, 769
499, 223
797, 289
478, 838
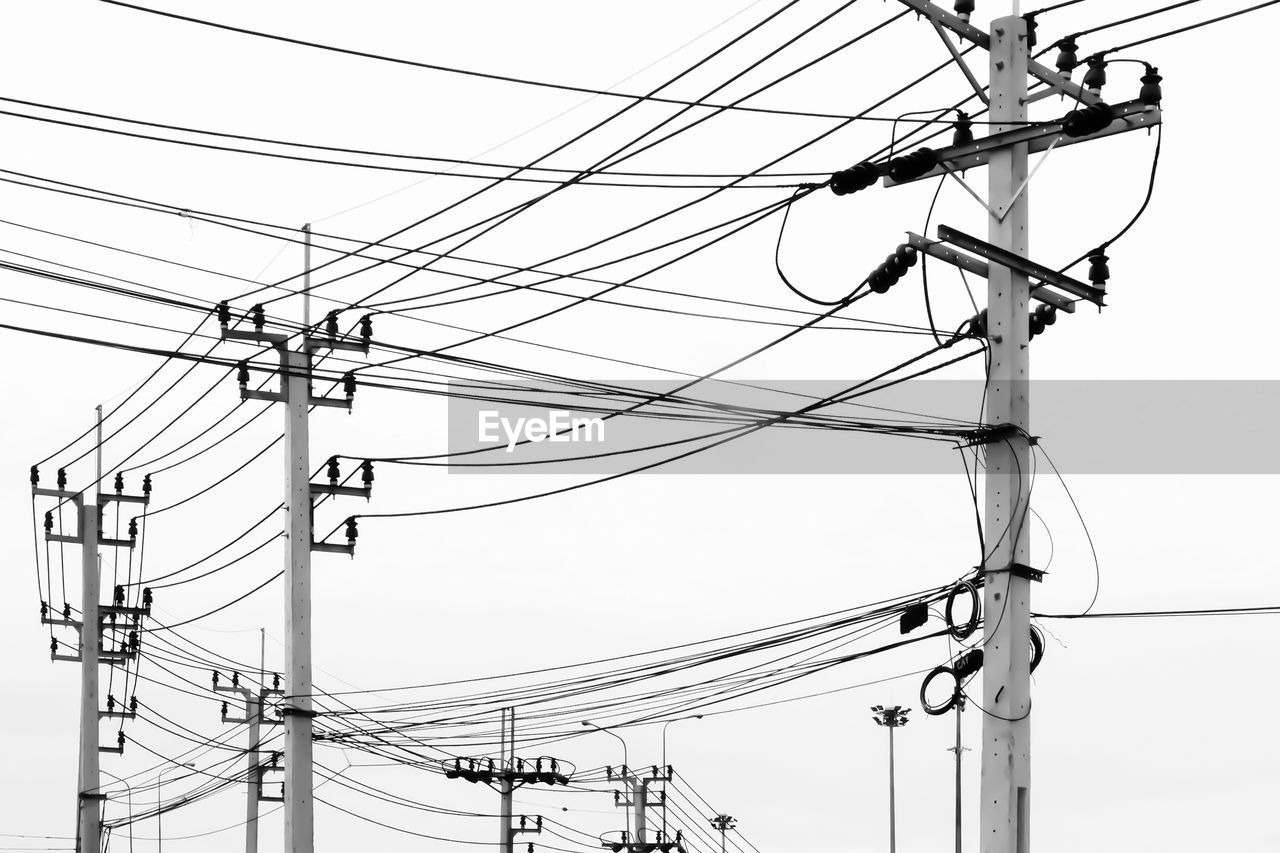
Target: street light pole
625, 761
891, 718
159, 827
664, 766
129, 789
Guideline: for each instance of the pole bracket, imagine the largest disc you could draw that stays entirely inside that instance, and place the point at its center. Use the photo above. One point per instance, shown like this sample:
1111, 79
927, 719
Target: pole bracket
1018, 570
1029, 268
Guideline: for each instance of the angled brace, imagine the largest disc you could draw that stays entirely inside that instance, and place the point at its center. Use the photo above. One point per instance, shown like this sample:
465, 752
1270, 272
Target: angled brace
972, 34
978, 88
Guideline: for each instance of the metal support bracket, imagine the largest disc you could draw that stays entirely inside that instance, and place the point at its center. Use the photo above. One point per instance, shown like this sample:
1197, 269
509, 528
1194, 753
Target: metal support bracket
970, 264
269, 396
333, 548
1015, 262
1130, 115
348, 491
123, 715
62, 623
1020, 570
275, 339
326, 342
331, 402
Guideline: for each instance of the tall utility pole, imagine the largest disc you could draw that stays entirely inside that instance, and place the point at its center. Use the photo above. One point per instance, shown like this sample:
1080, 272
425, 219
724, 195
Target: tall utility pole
891, 718
1006, 682
89, 829
295, 393
90, 655
507, 761
255, 702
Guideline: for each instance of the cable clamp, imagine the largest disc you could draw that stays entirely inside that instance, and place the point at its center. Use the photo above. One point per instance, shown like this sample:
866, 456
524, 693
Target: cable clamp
297, 712
1021, 570
998, 432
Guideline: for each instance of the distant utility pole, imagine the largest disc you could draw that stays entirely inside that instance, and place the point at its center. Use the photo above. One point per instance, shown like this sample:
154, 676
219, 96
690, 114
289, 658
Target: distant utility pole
91, 654
891, 718
724, 823
296, 393
958, 749
509, 773
255, 701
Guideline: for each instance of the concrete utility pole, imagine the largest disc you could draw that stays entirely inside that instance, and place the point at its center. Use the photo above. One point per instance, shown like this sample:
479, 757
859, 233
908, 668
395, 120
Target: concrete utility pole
891, 718
295, 393
90, 655
1006, 681
254, 703
90, 515
506, 837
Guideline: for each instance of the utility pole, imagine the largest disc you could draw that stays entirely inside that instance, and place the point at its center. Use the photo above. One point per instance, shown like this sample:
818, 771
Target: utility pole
255, 701
724, 823
507, 774
1007, 325
295, 393
506, 838
891, 718
1006, 682
89, 507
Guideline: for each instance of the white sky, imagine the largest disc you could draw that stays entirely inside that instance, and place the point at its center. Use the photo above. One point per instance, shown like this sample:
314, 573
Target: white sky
1154, 732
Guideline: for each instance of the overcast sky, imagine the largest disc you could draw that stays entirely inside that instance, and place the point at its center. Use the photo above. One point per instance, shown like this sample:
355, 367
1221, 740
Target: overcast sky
1152, 732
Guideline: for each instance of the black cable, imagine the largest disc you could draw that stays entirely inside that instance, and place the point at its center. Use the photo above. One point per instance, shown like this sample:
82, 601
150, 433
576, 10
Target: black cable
1190, 27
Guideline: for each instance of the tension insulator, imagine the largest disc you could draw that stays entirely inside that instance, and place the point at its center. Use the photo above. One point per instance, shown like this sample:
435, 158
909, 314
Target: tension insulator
854, 178
1088, 120
911, 166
